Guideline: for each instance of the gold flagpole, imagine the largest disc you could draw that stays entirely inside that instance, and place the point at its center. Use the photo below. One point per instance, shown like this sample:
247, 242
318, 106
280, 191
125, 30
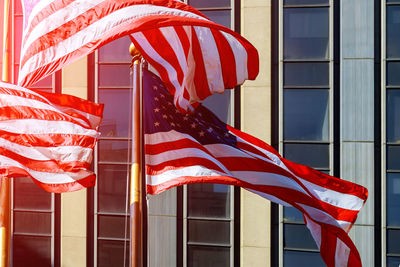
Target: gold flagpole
5, 203
135, 183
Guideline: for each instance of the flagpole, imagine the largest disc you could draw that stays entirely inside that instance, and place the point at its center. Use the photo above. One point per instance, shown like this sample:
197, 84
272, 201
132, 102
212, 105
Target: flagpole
136, 215
5, 203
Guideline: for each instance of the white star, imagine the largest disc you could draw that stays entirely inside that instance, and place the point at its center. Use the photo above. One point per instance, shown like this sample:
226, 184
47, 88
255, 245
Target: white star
169, 104
156, 110
162, 95
156, 98
155, 88
185, 118
172, 124
156, 124
201, 133
193, 125
210, 130
165, 116
226, 134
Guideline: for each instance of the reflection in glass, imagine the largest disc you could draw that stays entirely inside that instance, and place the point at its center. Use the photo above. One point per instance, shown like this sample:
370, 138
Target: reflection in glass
297, 236
306, 33
113, 226
111, 253
18, 37
393, 116
393, 157
111, 183
209, 3
116, 112
202, 231
393, 32
209, 200
29, 196
306, 74
393, 261
116, 51
393, 70
291, 214
305, 2
32, 222
306, 115
114, 151
393, 244
114, 75
393, 199
222, 17
199, 256
44, 83
312, 155
220, 105
299, 258
31, 251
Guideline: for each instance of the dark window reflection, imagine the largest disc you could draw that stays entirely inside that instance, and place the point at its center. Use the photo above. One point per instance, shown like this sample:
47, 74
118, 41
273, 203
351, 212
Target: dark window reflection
305, 2
393, 157
306, 115
393, 199
112, 188
220, 105
393, 70
291, 214
297, 236
306, 74
299, 258
199, 256
209, 3
114, 76
393, 32
209, 200
202, 231
29, 196
306, 33
393, 244
116, 51
393, 116
113, 226
222, 17
393, 261
114, 151
32, 222
31, 251
113, 253
312, 155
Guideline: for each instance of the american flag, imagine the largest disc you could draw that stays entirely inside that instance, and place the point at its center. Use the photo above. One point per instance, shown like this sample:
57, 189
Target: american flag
47, 137
183, 45
199, 148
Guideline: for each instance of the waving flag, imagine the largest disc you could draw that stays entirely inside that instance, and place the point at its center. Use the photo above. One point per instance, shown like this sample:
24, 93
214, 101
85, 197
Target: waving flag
199, 148
47, 137
185, 47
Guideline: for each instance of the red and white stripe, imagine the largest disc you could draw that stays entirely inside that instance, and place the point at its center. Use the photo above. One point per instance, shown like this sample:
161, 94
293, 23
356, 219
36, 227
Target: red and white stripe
181, 43
330, 205
47, 137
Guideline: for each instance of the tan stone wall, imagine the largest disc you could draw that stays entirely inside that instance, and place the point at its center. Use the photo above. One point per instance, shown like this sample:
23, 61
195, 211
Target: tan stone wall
73, 205
256, 120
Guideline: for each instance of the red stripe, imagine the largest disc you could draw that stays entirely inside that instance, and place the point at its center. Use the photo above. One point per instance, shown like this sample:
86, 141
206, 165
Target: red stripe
184, 39
227, 58
181, 163
49, 140
154, 149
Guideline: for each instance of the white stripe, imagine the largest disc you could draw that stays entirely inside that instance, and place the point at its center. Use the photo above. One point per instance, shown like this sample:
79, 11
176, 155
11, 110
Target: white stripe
241, 57
163, 137
342, 254
222, 150
193, 171
33, 126
319, 215
272, 198
19, 88
315, 230
45, 177
211, 58
59, 153
37, 8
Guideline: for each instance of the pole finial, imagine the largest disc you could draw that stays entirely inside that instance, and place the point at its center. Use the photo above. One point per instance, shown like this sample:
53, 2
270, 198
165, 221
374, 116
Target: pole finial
136, 56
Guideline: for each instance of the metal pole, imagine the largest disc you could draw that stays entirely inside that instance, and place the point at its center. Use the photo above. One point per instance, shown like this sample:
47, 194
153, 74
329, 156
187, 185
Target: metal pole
135, 183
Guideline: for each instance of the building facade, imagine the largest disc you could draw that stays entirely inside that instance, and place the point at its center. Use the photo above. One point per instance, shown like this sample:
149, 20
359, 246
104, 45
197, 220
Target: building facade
328, 96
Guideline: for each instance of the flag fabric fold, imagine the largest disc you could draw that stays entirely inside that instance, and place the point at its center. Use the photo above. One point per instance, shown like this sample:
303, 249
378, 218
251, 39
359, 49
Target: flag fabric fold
199, 148
183, 45
48, 137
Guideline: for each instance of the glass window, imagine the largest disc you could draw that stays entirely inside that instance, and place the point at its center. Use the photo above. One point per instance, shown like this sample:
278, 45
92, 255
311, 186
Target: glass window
31, 251
313, 155
297, 258
291, 214
392, 75
210, 3
113, 253
306, 33
114, 76
32, 222
305, 2
306, 74
297, 236
393, 32
114, 150
113, 226
306, 115
393, 199
208, 231
220, 105
33, 196
222, 17
393, 244
393, 262
116, 51
393, 157
393, 116
199, 256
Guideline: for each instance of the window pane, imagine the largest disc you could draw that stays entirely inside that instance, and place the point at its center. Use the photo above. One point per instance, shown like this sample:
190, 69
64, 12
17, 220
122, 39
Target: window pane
113, 226
313, 155
393, 261
29, 196
209, 3
393, 199
116, 112
216, 232
199, 256
209, 200
116, 51
112, 188
18, 37
32, 222
297, 236
299, 258
393, 116
393, 157
393, 244
393, 77
220, 105
305, 2
111, 253
306, 74
114, 151
306, 33
306, 115
114, 75
291, 214
44, 83
222, 17
393, 32
31, 251
18, 7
